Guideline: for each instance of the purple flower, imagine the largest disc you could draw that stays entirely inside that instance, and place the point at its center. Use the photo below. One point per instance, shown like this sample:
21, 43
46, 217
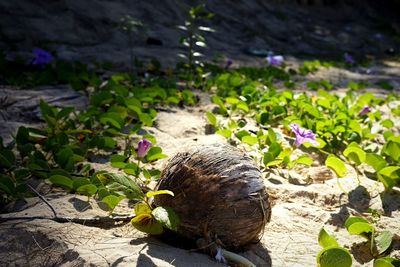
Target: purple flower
143, 148
303, 135
364, 111
42, 57
228, 64
349, 59
275, 60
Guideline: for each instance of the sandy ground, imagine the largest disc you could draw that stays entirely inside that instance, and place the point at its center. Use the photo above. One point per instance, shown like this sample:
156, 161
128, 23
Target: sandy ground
290, 239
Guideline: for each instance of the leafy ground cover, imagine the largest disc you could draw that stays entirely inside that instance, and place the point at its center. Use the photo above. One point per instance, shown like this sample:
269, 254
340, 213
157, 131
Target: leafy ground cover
354, 133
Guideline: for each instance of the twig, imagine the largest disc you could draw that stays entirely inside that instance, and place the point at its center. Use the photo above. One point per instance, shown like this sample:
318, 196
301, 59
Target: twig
60, 219
43, 199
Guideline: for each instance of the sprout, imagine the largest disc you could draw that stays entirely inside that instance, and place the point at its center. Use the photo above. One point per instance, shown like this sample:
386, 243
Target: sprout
303, 135
143, 147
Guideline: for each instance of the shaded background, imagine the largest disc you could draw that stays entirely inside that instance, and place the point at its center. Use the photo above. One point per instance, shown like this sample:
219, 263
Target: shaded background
86, 30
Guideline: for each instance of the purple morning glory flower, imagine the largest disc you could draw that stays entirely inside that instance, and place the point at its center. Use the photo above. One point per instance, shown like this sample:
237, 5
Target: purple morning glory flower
229, 63
275, 60
42, 57
303, 135
143, 147
364, 111
349, 59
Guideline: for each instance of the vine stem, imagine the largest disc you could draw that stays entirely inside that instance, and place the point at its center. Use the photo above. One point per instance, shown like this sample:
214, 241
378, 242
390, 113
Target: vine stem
61, 219
43, 199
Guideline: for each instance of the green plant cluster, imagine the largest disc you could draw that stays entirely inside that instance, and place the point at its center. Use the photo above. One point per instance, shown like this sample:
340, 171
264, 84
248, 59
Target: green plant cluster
379, 245
61, 152
18, 73
345, 136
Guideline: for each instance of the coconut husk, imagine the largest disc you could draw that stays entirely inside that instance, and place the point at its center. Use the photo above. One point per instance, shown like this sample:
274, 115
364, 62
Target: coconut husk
219, 195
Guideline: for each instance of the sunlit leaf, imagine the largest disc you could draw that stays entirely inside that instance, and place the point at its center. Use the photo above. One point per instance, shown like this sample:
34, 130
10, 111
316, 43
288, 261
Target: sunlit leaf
337, 165
159, 192
383, 241
326, 240
167, 217
334, 257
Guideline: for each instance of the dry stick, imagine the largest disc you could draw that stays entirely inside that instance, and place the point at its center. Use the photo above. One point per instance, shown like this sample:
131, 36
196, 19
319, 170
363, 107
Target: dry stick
93, 220
56, 218
43, 199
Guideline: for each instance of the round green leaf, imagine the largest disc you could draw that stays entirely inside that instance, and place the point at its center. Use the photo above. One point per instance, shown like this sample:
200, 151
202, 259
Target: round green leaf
250, 140
360, 228
167, 217
334, 257
148, 224
337, 165
326, 240
383, 241
87, 189
112, 201
387, 262
62, 181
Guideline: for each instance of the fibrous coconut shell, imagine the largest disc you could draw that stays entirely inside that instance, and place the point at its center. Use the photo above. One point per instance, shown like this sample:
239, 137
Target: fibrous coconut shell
219, 195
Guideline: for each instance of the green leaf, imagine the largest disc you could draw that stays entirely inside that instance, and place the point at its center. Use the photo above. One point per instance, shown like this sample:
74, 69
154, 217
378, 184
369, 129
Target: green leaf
326, 240
142, 208
112, 118
358, 226
118, 161
375, 161
78, 182
22, 136
250, 140
225, 133
64, 158
304, 160
241, 134
264, 118
62, 181
392, 149
387, 123
159, 192
383, 241
275, 149
334, 257
243, 106
112, 201
167, 217
128, 184
387, 262
87, 189
212, 119
7, 184
337, 165
155, 153
232, 100
390, 171
147, 223
355, 154
7, 158
271, 135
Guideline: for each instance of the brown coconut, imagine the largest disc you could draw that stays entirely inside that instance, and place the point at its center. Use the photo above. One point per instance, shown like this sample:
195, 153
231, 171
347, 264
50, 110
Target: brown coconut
219, 195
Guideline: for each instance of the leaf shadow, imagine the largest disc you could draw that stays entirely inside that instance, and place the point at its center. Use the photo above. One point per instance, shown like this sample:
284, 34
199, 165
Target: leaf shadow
79, 204
390, 201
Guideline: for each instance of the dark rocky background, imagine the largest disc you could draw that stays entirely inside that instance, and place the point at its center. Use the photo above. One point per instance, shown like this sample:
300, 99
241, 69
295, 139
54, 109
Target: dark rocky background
86, 30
